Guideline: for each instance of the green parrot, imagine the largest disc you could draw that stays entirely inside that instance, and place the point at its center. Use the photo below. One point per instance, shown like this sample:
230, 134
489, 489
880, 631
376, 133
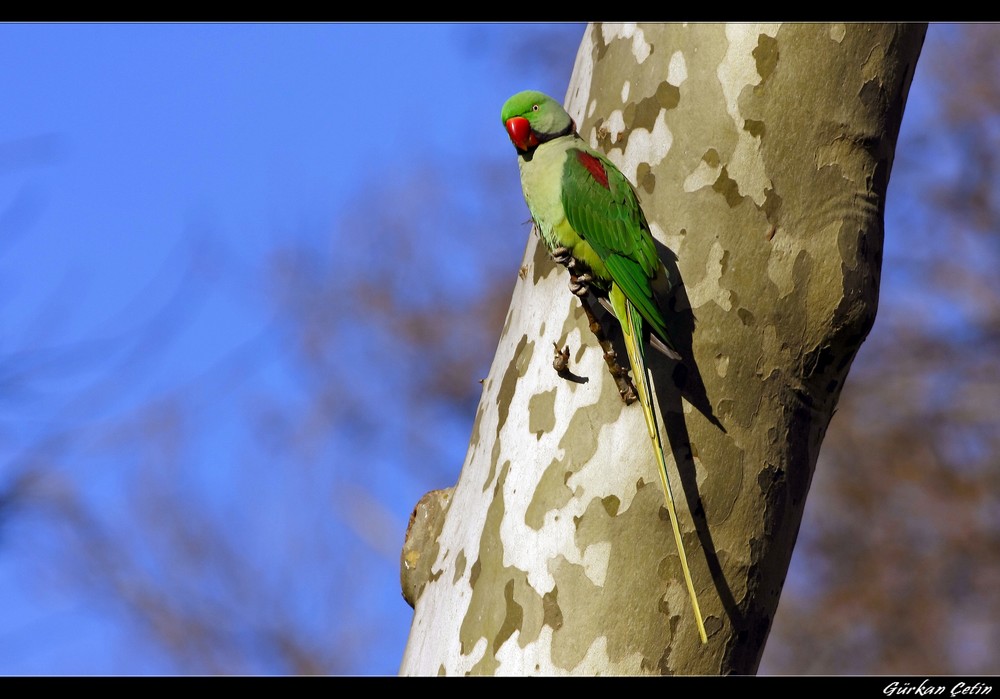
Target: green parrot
588, 215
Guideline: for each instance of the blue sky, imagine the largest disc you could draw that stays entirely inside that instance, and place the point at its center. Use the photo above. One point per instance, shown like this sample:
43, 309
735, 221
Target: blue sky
135, 156
149, 131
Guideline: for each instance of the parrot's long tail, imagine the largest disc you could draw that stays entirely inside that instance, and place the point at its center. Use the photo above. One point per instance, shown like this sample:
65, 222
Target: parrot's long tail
636, 356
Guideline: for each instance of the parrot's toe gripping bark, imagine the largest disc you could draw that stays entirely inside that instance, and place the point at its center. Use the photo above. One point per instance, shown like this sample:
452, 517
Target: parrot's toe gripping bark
564, 257
625, 387
580, 285
560, 360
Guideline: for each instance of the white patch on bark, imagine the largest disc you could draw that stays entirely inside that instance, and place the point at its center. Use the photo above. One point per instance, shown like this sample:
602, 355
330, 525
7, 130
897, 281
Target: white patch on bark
784, 250
645, 146
450, 598
677, 70
700, 474
595, 562
598, 478
529, 549
708, 288
615, 124
837, 32
445, 601
629, 30
463, 664
673, 242
447, 649
640, 47
704, 175
583, 74
535, 658
526, 548
597, 660
679, 604
611, 31
626, 86
722, 365
514, 661
738, 70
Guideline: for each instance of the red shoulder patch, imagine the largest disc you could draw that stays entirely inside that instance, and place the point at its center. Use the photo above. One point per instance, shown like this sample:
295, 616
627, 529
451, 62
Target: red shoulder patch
594, 166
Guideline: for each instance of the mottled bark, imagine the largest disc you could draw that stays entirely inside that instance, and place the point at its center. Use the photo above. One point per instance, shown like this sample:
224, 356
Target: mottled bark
761, 154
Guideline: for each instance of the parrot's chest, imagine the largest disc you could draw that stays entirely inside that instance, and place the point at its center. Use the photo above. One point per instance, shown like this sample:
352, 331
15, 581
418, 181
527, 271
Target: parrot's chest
541, 180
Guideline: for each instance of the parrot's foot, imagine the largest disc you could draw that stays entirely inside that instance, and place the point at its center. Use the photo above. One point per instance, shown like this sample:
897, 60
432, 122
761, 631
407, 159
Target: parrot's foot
560, 361
579, 284
563, 256
622, 380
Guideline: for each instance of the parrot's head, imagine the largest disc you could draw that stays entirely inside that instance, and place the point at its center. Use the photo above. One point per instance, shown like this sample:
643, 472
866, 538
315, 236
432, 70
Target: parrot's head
532, 117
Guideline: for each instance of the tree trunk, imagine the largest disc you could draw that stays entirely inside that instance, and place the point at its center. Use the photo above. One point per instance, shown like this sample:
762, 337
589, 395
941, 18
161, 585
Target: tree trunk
761, 154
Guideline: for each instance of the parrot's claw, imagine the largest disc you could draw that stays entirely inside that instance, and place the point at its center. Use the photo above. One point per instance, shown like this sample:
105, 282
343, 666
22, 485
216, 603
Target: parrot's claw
627, 392
560, 361
579, 284
625, 387
562, 256
622, 381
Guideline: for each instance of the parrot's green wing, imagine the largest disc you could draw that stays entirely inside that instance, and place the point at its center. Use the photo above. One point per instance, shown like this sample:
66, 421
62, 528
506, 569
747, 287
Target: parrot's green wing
603, 209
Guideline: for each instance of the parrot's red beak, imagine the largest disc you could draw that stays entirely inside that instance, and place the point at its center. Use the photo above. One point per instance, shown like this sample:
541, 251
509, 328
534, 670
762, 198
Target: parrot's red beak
519, 130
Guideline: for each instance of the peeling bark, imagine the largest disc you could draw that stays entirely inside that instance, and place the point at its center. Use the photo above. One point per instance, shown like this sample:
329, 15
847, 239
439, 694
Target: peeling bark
761, 154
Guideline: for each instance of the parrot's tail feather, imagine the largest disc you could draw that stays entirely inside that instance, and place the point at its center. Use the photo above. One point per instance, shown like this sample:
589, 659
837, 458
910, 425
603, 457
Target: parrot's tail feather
633, 343
654, 341
659, 344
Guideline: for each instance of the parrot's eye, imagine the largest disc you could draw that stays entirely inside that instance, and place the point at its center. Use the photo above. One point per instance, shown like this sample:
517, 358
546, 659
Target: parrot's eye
534, 107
